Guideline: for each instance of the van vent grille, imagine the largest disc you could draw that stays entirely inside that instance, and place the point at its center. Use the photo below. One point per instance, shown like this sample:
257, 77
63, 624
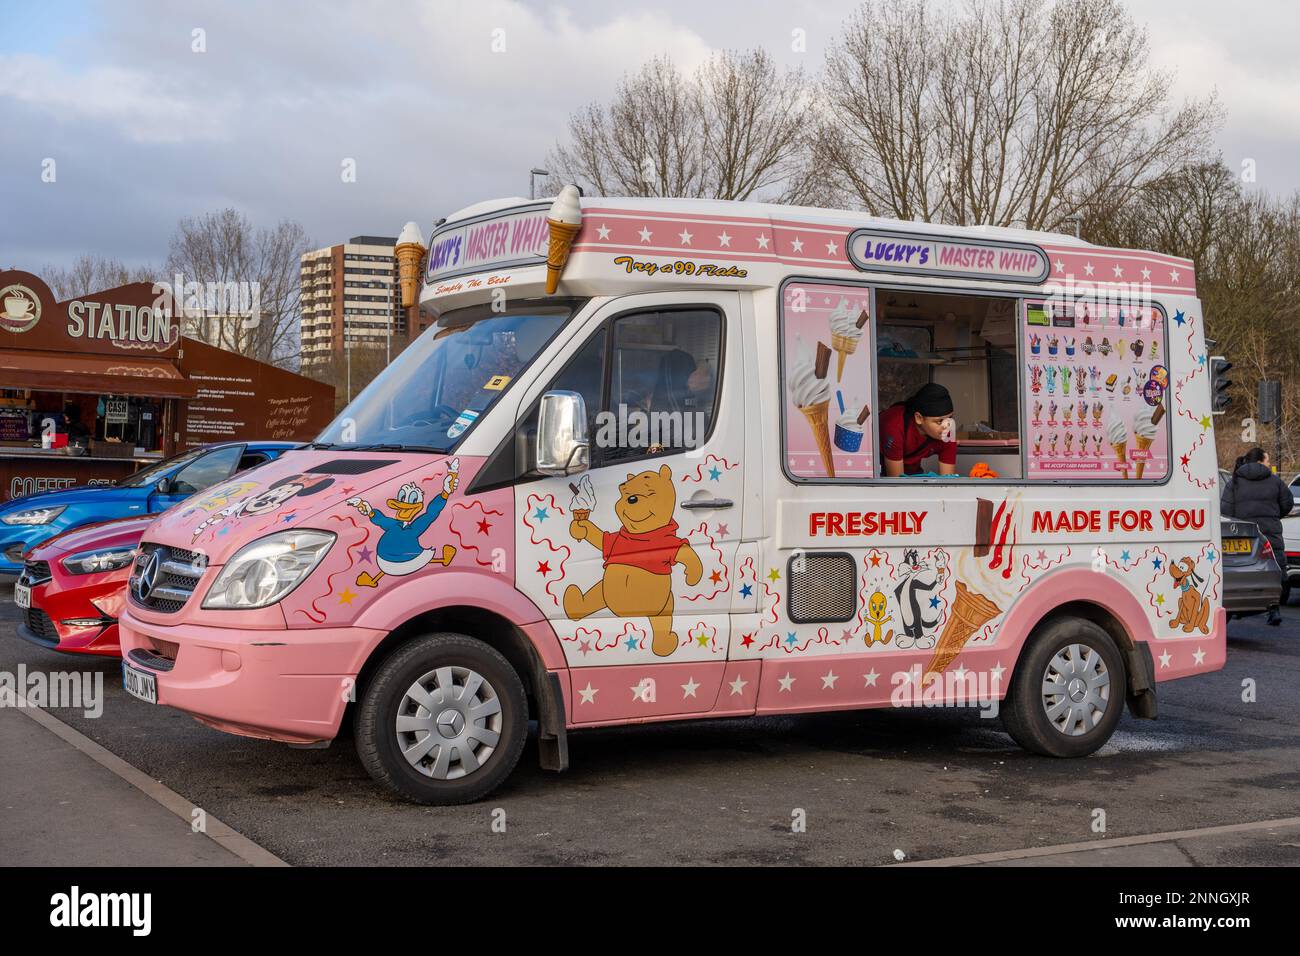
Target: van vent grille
822, 587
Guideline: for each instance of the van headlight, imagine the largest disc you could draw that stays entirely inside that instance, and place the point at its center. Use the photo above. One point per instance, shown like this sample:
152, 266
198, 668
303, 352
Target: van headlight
261, 573
33, 515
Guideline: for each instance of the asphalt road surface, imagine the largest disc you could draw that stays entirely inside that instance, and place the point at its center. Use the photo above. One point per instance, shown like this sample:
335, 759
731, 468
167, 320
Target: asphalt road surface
933, 784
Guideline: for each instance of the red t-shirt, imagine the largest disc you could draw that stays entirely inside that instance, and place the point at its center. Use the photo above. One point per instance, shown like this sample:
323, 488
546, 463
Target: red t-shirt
655, 551
901, 439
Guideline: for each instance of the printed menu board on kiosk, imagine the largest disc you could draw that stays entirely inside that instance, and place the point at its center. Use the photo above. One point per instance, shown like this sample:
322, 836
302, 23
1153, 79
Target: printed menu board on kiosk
1095, 384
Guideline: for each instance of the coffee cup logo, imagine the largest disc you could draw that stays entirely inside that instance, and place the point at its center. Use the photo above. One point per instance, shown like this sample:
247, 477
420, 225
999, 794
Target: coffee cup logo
21, 308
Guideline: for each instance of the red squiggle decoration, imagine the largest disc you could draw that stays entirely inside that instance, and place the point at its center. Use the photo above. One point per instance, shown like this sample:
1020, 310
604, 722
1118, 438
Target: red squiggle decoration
329, 581
466, 546
722, 563
699, 469
546, 540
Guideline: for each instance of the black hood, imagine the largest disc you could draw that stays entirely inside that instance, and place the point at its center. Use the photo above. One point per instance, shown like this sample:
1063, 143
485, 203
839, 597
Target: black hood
1253, 471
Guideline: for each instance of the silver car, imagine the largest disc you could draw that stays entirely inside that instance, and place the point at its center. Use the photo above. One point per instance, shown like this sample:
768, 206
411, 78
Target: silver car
1251, 580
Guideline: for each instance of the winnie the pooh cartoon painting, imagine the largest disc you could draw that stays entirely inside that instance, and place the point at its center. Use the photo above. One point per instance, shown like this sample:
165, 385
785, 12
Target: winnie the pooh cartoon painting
639, 558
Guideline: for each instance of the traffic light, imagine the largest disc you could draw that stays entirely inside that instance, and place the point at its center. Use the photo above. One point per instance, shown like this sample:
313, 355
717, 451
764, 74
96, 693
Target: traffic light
1219, 384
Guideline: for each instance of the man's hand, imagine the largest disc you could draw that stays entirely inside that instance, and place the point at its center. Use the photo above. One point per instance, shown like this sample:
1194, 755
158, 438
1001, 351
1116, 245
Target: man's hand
361, 505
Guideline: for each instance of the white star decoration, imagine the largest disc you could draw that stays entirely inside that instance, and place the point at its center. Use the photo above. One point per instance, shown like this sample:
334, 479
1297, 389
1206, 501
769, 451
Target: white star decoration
685, 236
1165, 658
786, 682
689, 688
871, 678
589, 693
1087, 267
642, 690
829, 679
797, 245
763, 241
724, 239
738, 686
1199, 657
602, 231
1174, 275
1060, 266
1146, 273
831, 247
1118, 271
645, 234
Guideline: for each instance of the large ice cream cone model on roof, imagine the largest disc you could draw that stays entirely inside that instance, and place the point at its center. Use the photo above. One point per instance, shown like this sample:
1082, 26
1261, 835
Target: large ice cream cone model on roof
410, 259
563, 222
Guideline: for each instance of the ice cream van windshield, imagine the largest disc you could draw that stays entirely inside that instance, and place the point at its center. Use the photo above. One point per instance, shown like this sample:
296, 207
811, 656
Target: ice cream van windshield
434, 392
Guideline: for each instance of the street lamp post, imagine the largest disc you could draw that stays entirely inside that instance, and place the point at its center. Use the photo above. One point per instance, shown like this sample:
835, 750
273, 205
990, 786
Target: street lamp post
532, 181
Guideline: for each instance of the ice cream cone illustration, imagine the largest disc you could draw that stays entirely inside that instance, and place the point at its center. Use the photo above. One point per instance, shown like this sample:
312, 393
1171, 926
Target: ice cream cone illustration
811, 393
970, 612
1144, 433
410, 254
584, 499
846, 332
562, 222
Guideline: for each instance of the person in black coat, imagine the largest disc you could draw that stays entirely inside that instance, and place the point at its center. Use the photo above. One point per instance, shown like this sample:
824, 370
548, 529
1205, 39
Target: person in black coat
1255, 494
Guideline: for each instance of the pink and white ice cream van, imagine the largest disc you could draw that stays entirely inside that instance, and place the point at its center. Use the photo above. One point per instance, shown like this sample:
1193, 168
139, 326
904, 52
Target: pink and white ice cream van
633, 472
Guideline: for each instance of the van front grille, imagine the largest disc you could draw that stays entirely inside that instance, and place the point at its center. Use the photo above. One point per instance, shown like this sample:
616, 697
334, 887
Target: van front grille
164, 577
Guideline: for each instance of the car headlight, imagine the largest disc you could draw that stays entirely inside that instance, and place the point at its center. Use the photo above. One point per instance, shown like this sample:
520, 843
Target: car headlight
264, 572
33, 515
94, 562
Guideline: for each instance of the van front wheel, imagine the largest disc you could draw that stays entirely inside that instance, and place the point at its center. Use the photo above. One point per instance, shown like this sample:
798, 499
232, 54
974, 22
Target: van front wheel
1068, 691
443, 721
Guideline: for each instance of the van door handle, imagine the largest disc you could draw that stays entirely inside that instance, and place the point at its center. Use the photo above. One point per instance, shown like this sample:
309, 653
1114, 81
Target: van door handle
708, 503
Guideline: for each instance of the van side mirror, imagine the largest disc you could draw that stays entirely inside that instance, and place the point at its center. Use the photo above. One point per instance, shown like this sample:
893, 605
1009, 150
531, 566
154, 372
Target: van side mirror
562, 444
164, 486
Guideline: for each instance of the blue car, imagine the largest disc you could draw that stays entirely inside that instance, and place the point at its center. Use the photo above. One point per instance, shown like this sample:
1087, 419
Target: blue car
29, 520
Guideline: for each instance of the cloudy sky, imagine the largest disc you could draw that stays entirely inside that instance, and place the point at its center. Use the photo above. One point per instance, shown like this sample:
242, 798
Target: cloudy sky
144, 130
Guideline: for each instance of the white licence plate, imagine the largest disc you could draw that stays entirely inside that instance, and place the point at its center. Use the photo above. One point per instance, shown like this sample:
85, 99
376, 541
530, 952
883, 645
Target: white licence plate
22, 595
139, 684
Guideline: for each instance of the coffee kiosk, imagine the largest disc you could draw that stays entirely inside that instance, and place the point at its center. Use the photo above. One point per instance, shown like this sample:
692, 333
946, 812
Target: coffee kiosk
94, 387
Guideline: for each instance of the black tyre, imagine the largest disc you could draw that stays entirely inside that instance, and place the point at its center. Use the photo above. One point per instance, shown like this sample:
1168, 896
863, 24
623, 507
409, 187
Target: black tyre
442, 721
1068, 690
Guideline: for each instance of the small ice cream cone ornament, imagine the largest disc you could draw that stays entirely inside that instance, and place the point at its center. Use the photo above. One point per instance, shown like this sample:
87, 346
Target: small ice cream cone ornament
409, 253
563, 222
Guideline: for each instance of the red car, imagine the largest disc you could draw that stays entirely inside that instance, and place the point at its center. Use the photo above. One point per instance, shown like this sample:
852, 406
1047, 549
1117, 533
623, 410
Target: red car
73, 586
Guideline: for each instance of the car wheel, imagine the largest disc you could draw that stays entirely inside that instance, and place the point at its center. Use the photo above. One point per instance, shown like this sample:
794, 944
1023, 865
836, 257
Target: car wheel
1068, 690
442, 721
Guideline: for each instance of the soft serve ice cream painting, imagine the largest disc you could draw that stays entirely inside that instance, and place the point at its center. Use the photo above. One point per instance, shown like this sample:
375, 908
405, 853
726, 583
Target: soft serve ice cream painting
827, 418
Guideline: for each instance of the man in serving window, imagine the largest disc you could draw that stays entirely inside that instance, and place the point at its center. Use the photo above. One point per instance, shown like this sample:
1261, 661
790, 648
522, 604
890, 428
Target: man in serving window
913, 430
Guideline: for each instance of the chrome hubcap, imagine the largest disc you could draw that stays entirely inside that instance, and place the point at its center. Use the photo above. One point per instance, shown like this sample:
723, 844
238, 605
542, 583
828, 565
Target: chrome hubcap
449, 723
1076, 689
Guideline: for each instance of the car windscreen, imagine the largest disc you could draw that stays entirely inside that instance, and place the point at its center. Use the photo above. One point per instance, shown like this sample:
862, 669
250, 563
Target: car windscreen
435, 391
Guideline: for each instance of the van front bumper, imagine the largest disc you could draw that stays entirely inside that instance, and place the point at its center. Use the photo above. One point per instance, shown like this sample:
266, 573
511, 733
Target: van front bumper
286, 685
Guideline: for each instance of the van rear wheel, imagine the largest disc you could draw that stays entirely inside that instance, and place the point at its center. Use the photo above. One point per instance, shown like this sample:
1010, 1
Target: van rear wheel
1068, 691
443, 721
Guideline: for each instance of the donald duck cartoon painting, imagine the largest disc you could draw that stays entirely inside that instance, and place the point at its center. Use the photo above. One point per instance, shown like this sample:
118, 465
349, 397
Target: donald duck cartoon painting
399, 550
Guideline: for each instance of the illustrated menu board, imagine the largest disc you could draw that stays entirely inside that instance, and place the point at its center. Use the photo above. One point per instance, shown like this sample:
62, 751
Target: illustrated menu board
1096, 378
827, 385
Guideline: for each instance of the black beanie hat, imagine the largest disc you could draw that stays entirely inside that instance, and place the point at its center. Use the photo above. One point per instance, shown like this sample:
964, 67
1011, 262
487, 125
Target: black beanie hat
931, 400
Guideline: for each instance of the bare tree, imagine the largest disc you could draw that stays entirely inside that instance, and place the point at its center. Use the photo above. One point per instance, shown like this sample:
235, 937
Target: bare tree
93, 273
1006, 113
240, 285
738, 128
